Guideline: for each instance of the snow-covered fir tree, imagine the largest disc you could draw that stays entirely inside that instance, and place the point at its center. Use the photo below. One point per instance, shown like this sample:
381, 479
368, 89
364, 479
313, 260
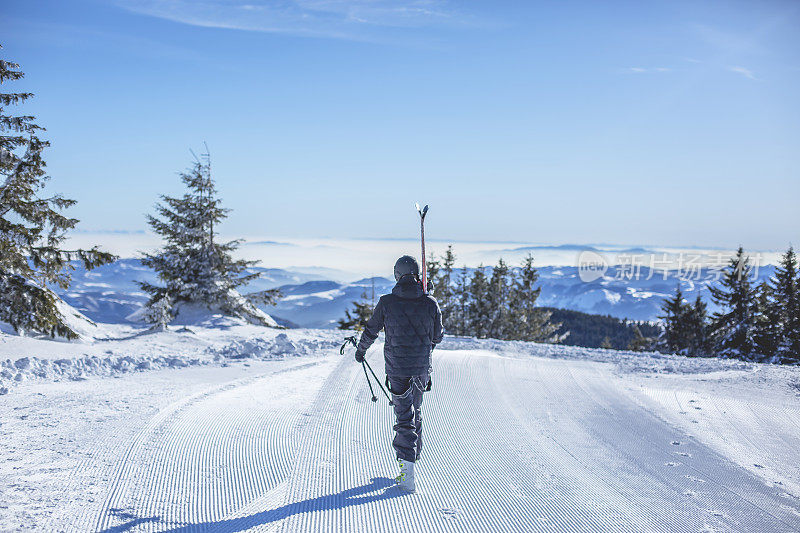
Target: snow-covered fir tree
443, 290
432, 269
733, 326
673, 321
755, 322
767, 322
685, 328
500, 306
458, 323
480, 312
196, 269
786, 296
697, 330
529, 322
32, 225
159, 312
499, 301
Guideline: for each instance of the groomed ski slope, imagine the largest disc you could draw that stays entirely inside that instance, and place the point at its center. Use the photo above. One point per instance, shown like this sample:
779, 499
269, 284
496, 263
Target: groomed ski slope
511, 444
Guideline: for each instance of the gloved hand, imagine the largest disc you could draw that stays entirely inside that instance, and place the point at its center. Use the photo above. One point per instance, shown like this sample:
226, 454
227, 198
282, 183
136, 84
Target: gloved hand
359, 356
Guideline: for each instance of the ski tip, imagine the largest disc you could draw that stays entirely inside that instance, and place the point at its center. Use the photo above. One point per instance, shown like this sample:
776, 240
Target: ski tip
421, 210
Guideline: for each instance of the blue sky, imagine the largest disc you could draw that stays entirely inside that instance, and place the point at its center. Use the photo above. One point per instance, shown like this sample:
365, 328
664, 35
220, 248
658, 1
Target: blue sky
673, 123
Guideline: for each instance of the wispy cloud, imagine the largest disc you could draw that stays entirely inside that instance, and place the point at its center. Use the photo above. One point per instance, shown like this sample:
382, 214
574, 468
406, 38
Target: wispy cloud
342, 19
642, 70
746, 72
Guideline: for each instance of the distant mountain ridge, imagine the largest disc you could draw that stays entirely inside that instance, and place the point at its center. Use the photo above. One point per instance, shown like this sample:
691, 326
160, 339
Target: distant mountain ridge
311, 299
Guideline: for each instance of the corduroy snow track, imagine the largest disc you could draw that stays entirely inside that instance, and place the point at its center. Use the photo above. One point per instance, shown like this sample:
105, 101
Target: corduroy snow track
511, 444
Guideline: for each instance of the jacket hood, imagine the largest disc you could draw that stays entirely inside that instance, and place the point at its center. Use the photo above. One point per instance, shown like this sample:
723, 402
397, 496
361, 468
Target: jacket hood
408, 288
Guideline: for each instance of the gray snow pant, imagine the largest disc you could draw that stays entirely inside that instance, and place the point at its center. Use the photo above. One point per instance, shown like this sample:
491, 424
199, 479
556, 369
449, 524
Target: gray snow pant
407, 398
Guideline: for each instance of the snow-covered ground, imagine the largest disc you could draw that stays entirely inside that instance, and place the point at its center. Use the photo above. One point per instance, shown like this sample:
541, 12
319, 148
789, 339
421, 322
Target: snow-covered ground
229, 427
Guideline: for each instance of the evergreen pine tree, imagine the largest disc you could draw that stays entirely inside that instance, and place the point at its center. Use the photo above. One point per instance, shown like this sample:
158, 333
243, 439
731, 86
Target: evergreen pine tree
159, 313
696, 329
460, 320
674, 338
194, 268
606, 344
444, 290
529, 323
480, 309
499, 297
32, 227
767, 322
733, 326
360, 314
432, 267
786, 304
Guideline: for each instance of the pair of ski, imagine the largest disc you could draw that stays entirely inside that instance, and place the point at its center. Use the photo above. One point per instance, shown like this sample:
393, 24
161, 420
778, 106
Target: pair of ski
422, 212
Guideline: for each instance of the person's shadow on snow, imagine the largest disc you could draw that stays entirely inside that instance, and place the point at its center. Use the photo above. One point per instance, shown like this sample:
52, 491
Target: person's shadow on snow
340, 500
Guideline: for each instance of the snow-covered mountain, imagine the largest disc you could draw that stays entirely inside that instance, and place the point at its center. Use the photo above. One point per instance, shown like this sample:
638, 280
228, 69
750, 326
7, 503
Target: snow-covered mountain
320, 304
111, 294
311, 298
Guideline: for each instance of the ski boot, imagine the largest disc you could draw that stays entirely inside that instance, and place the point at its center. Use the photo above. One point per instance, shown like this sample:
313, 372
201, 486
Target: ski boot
405, 481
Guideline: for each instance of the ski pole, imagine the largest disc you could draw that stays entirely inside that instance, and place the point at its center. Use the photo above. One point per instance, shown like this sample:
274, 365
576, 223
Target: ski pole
378, 382
374, 398
364, 365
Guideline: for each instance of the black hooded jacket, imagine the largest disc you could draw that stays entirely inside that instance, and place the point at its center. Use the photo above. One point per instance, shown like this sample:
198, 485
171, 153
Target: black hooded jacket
413, 324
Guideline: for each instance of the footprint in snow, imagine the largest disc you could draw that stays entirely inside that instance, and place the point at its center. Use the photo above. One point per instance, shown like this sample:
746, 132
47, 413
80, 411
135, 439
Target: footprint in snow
676, 443
684, 454
695, 479
448, 513
758, 465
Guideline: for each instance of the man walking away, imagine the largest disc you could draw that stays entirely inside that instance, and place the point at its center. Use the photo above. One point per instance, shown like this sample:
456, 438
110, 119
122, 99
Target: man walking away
413, 324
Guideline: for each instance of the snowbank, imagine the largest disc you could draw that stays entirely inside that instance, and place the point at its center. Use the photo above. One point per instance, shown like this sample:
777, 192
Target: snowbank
138, 349
625, 360
218, 339
280, 346
28, 368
